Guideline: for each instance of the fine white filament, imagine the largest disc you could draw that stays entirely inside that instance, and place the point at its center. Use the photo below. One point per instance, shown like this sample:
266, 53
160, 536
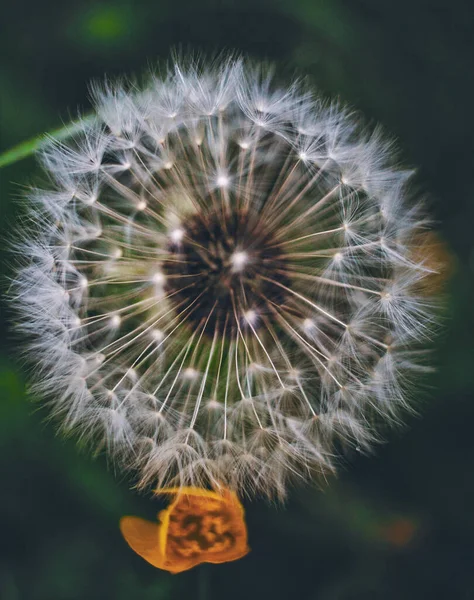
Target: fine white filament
220, 288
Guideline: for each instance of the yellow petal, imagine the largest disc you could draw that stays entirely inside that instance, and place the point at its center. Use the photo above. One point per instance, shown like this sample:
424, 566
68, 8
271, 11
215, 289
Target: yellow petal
199, 526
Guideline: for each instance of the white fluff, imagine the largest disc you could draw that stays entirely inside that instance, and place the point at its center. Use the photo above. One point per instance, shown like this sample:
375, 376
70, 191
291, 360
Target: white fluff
270, 399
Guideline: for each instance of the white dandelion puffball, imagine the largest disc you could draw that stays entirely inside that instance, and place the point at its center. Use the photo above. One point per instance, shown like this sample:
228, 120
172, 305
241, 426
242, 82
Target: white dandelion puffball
221, 286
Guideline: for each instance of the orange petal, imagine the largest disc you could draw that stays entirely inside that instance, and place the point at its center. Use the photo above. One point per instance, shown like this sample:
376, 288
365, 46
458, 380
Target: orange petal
199, 526
143, 537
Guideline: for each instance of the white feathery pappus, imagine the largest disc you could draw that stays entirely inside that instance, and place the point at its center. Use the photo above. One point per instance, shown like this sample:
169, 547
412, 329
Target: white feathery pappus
220, 288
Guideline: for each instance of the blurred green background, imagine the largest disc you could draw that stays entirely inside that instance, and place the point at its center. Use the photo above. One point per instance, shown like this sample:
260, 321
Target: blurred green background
395, 525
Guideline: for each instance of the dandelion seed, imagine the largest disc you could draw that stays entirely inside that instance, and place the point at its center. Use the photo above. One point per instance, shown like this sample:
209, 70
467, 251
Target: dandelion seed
157, 335
115, 320
248, 263
223, 181
158, 279
177, 235
239, 260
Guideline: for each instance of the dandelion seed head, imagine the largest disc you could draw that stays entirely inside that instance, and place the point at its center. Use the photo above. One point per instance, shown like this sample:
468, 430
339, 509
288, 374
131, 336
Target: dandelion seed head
226, 281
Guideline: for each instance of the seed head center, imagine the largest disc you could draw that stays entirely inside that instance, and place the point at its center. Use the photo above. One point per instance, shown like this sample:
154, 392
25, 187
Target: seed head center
238, 261
223, 269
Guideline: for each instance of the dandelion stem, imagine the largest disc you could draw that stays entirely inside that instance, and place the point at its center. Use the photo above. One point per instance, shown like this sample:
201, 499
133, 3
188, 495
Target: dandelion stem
29, 147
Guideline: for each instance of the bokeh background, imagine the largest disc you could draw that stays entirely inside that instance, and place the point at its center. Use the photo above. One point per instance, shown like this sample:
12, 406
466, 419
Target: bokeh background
395, 525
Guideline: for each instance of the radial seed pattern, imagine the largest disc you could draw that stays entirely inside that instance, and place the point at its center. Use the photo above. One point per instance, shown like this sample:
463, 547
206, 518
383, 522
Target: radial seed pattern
221, 287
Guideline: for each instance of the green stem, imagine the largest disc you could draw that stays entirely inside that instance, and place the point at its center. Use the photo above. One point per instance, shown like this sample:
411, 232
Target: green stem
203, 583
25, 149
